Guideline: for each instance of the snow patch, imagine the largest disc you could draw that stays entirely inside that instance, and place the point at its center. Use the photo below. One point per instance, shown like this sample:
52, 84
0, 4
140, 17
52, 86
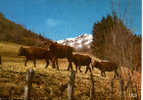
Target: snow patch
82, 41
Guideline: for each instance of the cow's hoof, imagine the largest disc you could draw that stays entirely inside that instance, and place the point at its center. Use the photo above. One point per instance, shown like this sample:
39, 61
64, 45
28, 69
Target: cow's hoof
54, 67
103, 75
80, 71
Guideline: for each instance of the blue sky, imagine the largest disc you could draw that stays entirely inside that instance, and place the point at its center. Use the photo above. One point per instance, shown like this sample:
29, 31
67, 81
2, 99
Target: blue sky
59, 19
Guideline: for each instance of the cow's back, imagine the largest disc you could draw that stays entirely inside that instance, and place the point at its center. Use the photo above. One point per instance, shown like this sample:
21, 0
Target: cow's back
61, 50
38, 52
108, 66
81, 59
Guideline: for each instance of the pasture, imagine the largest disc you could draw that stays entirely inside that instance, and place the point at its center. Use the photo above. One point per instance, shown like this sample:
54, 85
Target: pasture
48, 82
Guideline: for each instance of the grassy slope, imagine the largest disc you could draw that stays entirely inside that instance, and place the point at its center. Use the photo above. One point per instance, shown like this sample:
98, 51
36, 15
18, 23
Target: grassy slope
10, 31
48, 81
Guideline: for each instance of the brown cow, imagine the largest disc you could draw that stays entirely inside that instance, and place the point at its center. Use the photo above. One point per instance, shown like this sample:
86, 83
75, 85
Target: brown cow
81, 60
61, 51
105, 66
33, 53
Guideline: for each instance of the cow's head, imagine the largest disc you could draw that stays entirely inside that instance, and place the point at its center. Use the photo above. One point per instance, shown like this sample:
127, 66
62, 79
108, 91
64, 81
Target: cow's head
21, 51
95, 64
52, 46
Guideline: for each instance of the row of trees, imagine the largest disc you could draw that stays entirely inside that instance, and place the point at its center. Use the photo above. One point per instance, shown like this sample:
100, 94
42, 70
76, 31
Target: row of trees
113, 41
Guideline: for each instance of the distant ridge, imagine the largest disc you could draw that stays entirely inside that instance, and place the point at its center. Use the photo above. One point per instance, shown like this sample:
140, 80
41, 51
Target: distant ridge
80, 43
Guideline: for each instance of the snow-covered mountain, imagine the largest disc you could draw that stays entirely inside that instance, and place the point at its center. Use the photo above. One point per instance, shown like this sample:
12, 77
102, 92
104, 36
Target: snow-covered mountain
80, 43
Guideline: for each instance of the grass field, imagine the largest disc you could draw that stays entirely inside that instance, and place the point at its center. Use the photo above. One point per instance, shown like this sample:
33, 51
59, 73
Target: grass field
47, 82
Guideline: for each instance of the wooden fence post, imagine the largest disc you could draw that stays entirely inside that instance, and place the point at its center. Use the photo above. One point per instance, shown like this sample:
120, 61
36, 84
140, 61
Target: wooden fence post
111, 89
70, 88
121, 87
92, 87
29, 79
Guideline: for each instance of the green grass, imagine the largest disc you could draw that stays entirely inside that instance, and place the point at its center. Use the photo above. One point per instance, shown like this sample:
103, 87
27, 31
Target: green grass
47, 82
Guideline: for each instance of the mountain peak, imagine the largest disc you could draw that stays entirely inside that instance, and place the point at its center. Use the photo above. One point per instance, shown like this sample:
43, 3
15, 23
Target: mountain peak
80, 43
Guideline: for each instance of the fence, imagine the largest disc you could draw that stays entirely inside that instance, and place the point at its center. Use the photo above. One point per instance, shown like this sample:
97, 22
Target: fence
69, 86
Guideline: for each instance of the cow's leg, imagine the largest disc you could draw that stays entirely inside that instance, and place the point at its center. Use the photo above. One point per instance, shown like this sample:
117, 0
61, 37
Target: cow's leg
70, 64
103, 74
57, 64
53, 62
26, 61
79, 69
87, 68
76, 67
68, 68
116, 74
92, 66
47, 63
34, 60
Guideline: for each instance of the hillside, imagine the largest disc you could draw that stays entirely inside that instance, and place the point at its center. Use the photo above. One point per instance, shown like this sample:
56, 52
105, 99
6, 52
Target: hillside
12, 32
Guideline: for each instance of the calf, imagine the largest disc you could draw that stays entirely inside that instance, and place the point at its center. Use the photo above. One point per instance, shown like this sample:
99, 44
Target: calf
105, 66
33, 53
81, 60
